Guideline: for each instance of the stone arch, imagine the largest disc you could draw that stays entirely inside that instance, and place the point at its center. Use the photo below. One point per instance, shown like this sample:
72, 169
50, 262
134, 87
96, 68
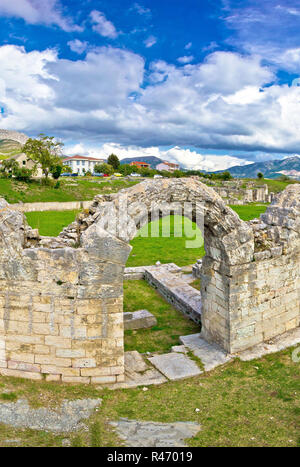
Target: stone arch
228, 241
61, 299
227, 238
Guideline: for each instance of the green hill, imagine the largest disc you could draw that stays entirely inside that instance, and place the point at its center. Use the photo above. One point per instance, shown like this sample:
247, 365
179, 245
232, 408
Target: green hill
9, 148
152, 160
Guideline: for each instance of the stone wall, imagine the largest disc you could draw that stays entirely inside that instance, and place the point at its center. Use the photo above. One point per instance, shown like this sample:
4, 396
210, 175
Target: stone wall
52, 206
234, 192
61, 310
249, 303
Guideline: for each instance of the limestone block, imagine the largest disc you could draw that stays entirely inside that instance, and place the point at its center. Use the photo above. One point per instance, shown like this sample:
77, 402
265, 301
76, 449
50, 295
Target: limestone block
175, 366
141, 319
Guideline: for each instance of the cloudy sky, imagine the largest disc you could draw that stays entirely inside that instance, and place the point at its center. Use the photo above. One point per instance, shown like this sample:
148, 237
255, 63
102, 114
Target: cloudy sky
208, 83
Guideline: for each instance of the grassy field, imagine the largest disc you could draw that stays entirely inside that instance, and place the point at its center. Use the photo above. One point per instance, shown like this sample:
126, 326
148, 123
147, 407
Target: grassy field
240, 404
275, 186
50, 223
77, 189
149, 250
171, 324
250, 211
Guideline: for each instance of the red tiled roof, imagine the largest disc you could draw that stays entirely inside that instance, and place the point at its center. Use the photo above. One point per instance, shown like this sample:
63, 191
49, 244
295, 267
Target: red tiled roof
86, 158
170, 164
138, 163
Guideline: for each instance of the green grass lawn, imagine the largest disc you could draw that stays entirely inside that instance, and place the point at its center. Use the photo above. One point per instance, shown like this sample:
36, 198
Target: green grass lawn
250, 211
275, 186
77, 189
50, 223
240, 404
171, 324
172, 249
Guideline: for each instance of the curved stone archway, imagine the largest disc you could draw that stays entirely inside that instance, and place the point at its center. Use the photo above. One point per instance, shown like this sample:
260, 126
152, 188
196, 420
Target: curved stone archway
61, 299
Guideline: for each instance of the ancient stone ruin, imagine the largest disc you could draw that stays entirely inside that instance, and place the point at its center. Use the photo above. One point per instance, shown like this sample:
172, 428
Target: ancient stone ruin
61, 299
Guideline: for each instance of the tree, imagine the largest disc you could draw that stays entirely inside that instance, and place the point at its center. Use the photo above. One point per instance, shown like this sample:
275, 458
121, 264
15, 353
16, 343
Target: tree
113, 160
260, 176
178, 173
283, 178
104, 168
56, 171
44, 150
23, 174
227, 175
8, 167
66, 169
125, 169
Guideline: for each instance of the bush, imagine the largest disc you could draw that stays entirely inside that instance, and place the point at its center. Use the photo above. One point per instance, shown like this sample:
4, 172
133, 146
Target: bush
22, 174
56, 171
104, 168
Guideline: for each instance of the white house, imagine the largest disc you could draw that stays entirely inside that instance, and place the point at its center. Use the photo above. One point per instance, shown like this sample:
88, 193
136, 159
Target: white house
82, 164
168, 166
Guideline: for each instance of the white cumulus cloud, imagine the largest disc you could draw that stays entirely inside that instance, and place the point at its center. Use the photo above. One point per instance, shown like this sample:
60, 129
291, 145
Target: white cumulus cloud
48, 12
185, 59
103, 26
109, 96
150, 41
78, 46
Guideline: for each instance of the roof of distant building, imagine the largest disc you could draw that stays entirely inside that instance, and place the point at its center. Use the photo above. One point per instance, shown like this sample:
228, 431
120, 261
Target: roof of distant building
139, 163
86, 158
171, 164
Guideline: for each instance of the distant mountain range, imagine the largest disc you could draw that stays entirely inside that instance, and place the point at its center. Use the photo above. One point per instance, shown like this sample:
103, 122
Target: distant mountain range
11, 143
152, 160
270, 169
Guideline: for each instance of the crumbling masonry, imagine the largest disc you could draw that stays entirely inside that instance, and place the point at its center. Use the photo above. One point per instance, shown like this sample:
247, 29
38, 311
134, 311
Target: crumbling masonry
61, 299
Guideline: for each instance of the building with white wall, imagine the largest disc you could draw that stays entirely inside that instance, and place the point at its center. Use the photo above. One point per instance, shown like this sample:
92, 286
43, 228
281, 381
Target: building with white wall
82, 164
168, 166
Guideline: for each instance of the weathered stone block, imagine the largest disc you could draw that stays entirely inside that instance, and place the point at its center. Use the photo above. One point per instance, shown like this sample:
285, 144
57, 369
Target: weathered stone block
141, 319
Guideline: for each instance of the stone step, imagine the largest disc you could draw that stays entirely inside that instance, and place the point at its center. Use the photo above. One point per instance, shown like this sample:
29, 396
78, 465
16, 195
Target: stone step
175, 366
210, 355
141, 319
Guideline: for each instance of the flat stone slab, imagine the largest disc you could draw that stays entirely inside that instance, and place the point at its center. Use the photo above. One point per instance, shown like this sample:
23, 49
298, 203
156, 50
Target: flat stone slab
175, 366
278, 343
179, 349
66, 418
138, 373
138, 272
152, 434
210, 355
141, 319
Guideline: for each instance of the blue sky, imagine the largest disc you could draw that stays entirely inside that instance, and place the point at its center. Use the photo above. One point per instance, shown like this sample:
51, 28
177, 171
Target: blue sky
206, 83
